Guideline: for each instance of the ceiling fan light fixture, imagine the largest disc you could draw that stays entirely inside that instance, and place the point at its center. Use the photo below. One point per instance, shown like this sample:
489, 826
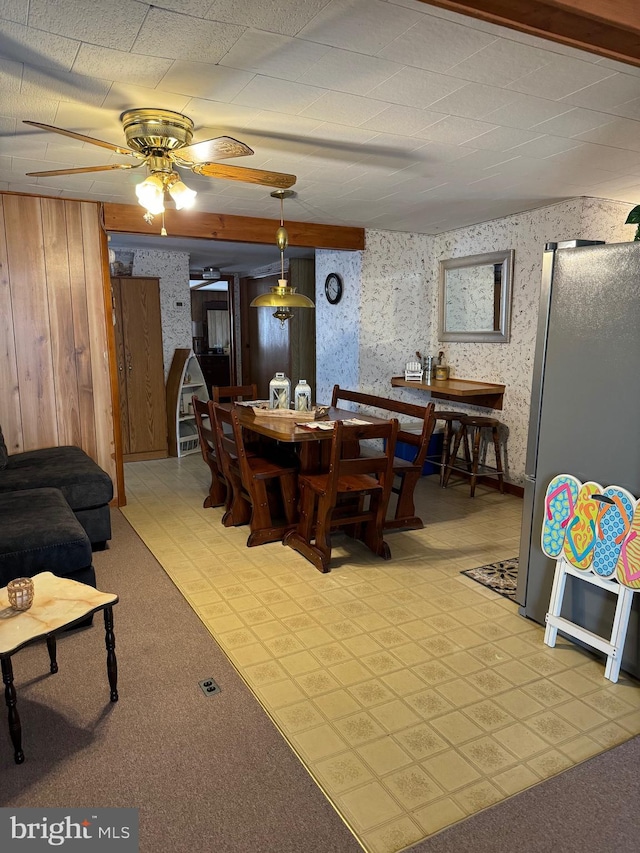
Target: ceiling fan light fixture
150, 194
183, 196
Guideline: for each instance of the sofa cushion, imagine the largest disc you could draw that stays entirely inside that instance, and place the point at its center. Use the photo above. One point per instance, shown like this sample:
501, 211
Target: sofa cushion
3, 451
40, 533
83, 482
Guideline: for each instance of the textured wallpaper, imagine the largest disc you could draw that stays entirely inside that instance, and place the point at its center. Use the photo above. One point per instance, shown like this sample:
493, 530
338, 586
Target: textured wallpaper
172, 268
338, 326
397, 310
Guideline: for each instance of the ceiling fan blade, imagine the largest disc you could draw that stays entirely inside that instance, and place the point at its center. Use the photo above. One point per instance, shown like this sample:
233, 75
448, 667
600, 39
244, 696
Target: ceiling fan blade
51, 172
249, 176
117, 148
219, 148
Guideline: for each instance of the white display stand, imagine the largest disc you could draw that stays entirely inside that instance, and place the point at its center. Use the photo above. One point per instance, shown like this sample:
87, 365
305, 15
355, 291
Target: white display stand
185, 379
611, 647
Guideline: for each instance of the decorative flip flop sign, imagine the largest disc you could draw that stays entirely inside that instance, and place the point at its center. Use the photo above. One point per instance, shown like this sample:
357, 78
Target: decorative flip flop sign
593, 534
594, 529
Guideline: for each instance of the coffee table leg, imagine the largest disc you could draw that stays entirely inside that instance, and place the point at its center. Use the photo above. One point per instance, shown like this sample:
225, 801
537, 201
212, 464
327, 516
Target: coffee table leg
51, 646
15, 728
110, 642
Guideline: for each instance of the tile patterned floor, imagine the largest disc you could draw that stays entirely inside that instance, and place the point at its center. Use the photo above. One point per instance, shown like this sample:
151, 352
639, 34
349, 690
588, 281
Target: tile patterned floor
414, 695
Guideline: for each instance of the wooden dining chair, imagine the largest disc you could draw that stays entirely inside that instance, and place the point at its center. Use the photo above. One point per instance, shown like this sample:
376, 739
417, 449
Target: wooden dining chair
261, 492
337, 498
406, 471
205, 427
232, 393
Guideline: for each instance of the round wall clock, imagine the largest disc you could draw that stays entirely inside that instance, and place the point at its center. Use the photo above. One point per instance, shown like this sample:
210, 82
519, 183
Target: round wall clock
333, 288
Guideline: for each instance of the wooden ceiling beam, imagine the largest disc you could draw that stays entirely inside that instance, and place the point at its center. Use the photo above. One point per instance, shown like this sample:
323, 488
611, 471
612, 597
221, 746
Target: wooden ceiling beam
128, 218
608, 28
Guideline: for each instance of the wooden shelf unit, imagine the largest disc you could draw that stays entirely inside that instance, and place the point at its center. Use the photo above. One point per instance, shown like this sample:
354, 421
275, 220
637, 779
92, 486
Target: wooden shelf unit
486, 394
183, 435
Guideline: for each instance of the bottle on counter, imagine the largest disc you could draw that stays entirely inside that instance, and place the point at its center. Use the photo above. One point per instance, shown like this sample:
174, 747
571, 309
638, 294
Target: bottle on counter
280, 392
442, 369
302, 396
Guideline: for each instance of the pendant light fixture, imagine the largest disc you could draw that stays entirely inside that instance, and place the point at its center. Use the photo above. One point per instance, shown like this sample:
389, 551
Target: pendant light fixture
282, 297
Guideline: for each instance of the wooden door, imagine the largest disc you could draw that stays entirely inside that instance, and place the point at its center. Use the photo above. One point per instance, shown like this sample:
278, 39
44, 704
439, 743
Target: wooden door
143, 410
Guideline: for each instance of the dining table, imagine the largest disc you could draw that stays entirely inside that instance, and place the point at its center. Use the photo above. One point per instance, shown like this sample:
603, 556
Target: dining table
312, 443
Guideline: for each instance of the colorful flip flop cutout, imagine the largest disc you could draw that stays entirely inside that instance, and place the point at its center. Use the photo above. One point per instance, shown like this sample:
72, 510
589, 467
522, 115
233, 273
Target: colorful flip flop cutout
580, 532
628, 565
559, 503
612, 527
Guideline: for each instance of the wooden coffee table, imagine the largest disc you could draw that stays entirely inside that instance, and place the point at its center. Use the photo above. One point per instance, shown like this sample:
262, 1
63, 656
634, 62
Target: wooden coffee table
58, 604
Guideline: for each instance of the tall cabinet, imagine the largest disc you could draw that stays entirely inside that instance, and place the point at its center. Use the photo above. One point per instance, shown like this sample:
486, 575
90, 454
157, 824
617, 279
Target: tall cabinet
138, 335
185, 379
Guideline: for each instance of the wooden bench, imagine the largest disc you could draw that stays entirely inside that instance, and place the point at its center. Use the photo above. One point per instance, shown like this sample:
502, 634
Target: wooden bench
408, 472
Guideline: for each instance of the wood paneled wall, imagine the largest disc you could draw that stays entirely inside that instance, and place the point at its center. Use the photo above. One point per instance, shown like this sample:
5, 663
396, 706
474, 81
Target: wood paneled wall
55, 373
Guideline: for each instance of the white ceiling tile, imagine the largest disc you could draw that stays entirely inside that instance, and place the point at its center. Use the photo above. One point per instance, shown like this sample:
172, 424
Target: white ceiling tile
500, 63
68, 86
120, 65
8, 127
572, 122
559, 78
346, 71
619, 133
284, 95
92, 121
545, 146
402, 120
273, 55
284, 16
503, 138
14, 10
630, 109
206, 113
344, 109
597, 159
475, 101
607, 93
10, 76
325, 131
23, 107
454, 130
622, 67
200, 80
365, 26
197, 8
414, 87
441, 152
123, 96
33, 47
182, 37
116, 26
525, 111
435, 44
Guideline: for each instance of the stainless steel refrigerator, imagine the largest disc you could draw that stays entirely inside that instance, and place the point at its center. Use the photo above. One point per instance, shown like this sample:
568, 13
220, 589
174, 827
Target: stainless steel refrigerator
585, 411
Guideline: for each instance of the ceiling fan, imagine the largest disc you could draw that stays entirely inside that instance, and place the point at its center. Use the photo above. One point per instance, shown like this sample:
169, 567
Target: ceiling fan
161, 139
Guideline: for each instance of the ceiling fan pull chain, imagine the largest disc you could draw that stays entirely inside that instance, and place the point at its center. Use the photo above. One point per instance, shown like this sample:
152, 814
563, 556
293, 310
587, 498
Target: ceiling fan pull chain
163, 230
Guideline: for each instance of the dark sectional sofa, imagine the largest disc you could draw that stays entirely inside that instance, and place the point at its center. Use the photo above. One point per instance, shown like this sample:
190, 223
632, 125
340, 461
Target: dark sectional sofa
54, 510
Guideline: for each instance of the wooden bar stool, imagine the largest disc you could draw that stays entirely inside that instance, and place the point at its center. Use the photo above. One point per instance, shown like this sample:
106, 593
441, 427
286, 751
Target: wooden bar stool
471, 428
449, 418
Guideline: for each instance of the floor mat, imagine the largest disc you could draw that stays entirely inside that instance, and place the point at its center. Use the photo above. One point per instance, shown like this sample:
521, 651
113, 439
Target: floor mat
501, 577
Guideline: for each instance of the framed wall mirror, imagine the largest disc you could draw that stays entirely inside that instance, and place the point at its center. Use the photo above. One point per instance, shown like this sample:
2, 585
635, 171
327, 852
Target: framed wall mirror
475, 298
